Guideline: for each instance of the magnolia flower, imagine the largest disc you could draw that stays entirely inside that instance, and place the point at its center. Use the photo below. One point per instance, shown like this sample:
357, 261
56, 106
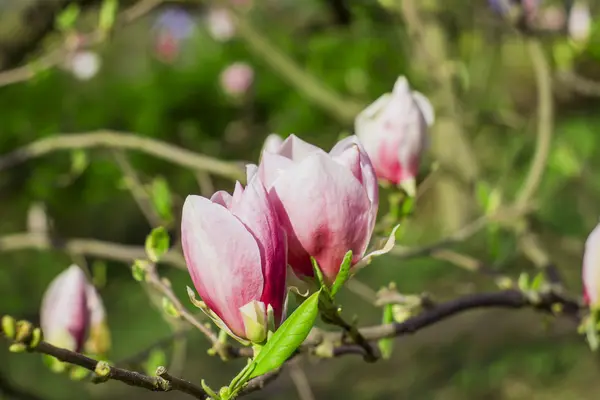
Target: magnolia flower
71, 308
580, 21
272, 143
591, 268
220, 24
327, 203
235, 252
237, 78
394, 132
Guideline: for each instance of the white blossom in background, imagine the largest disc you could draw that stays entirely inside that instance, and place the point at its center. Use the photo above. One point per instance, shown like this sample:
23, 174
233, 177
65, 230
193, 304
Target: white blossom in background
84, 65
580, 21
220, 24
237, 78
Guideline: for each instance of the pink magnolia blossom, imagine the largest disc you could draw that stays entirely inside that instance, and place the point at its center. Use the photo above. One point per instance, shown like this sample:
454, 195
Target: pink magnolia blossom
327, 203
580, 21
237, 78
235, 251
393, 131
272, 143
591, 268
70, 307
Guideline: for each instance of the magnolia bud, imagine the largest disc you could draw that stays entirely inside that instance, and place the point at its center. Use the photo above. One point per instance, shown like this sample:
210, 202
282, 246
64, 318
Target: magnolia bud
235, 252
394, 132
591, 268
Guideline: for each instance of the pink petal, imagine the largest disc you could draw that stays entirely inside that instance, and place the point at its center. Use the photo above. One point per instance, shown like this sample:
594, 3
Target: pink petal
591, 267
326, 212
271, 167
64, 309
222, 197
95, 306
272, 143
223, 259
260, 218
297, 149
368, 177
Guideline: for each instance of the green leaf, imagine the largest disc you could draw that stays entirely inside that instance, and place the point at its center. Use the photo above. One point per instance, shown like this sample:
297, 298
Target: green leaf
169, 308
138, 270
156, 358
78, 373
523, 282
288, 337
54, 364
537, 282
483, 191
591, 332
108, 13
99, 273
343, 274
67, 18
162, 199
79, 161
407, 206
319, 276
157, 243
387, 345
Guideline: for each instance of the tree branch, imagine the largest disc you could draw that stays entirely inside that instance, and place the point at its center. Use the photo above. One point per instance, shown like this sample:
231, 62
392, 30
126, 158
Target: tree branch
160, 383
312, 88
123, 140
545, 124
56, 56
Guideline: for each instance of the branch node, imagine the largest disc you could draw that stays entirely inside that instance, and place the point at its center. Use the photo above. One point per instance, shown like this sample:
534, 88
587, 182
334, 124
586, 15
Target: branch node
8, 326
102, 370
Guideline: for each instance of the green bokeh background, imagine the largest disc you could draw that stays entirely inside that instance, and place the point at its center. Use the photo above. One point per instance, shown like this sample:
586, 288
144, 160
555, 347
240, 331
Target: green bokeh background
492, 354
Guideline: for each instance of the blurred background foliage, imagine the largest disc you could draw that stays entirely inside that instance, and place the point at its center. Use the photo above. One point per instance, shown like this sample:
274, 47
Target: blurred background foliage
356, 48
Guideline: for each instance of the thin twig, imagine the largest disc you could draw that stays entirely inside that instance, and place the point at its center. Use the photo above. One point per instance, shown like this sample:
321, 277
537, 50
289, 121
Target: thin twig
123, 140
132, 378
155, 281
579, 84
88, 247
545, 122
502, 216
57, 56
136, 187
300, 380
311, 87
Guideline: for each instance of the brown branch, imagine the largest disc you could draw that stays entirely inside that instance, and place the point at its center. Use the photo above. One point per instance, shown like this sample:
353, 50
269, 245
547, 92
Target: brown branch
160, 383
549, 302
122, 140
88, 247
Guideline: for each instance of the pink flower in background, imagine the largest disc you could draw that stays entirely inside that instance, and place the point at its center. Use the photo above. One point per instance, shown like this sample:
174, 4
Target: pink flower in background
173, 27
394, 133
327, 202
580, 21
237, 78
591, 268
235, 252
70, 307
220, 24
